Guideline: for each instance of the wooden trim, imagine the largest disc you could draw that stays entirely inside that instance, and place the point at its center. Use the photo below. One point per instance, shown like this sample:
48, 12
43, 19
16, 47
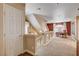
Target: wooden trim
30, 52
24, 54
27, 52
77, 50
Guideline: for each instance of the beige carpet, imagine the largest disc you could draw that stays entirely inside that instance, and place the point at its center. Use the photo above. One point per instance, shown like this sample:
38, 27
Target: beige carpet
58, 47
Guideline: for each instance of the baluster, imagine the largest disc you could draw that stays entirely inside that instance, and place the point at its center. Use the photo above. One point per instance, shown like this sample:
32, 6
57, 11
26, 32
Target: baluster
41, 40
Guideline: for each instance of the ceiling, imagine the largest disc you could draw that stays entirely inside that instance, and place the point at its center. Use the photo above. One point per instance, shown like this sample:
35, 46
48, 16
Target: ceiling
54, 10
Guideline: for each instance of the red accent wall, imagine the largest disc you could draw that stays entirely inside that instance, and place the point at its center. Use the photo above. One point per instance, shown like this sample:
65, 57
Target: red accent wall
50, 26
68, 26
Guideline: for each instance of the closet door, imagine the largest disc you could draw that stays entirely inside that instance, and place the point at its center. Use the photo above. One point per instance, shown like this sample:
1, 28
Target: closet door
13, 30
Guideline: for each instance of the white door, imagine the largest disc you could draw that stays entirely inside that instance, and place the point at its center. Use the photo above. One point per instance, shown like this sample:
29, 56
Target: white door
13, 33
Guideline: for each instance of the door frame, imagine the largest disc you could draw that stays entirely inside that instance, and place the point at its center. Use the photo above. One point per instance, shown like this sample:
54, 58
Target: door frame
77, 50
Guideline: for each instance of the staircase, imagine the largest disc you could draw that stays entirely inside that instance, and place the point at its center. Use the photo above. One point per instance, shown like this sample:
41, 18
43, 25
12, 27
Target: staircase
43, 39
38, 22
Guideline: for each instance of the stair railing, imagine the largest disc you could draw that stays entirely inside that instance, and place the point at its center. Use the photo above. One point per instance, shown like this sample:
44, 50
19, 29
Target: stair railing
43, 39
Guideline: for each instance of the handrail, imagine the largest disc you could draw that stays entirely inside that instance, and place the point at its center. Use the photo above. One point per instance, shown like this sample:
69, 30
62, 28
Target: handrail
38, 37
44, 38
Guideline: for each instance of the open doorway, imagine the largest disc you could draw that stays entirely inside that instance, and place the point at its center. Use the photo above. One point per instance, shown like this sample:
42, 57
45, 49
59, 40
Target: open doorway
58, 23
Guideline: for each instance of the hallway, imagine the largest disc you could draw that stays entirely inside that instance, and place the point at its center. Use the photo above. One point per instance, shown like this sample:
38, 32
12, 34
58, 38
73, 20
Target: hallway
58, 47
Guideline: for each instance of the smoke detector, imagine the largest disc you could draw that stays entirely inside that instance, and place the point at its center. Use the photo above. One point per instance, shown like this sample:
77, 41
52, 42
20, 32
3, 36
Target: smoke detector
38, 8
78, 9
